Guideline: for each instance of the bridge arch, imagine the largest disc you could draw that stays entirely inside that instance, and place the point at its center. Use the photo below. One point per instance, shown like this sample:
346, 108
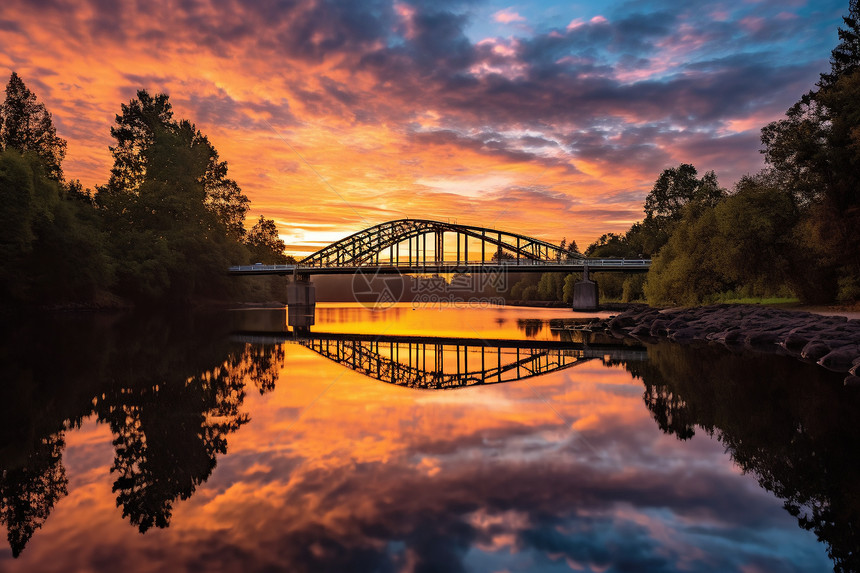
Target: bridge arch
382, 242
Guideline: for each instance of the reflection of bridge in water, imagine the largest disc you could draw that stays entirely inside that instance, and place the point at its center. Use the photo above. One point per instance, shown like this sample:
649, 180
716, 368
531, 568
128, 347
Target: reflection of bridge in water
440, 362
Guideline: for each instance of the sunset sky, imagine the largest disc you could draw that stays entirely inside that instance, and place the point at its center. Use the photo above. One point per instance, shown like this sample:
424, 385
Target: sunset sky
547, 118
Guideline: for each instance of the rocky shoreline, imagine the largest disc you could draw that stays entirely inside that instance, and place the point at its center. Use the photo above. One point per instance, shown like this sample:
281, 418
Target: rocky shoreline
833, 342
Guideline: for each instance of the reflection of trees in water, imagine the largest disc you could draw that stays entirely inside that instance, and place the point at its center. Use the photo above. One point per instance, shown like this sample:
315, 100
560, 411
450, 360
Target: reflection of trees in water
172, 393
531, 327
792, 425
168, 435
28, 492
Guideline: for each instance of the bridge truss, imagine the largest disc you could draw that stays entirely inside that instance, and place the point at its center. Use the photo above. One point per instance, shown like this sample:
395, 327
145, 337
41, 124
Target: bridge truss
438, 363
425, 246
438, 366
383, 244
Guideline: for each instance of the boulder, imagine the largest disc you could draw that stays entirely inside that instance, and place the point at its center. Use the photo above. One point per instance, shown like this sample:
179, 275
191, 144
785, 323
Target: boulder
761, 338
794, 341
815, 350
659, 328
685, 335
840, 359
641, 330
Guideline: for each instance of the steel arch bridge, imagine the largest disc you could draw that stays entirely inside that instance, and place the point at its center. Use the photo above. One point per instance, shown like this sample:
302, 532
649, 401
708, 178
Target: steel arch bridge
369, 245
427, 246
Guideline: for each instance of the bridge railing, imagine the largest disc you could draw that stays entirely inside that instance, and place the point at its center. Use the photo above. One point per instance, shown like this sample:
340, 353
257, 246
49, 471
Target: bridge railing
591, 263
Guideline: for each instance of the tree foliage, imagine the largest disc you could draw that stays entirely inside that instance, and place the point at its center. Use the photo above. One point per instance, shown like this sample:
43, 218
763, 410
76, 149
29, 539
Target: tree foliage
27, 126
163, 229
814, 153
144, 119
797, 223
265, 244
677, 186
845, 57
50, 243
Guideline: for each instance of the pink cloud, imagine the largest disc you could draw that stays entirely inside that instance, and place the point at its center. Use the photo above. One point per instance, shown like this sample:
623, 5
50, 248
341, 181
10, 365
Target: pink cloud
507, 16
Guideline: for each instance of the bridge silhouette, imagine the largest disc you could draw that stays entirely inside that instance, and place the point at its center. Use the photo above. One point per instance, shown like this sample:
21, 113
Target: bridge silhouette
402, 247
438, 363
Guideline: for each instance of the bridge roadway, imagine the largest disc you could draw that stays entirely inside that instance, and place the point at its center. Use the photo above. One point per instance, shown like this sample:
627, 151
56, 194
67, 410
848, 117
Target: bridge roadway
446, 267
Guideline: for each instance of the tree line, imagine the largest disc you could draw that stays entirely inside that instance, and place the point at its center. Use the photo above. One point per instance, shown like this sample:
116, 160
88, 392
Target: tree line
163, 229
791, 229
170, 220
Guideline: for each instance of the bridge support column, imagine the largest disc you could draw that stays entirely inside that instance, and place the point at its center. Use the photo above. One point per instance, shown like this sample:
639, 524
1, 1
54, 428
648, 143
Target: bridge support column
301, 303
585, 293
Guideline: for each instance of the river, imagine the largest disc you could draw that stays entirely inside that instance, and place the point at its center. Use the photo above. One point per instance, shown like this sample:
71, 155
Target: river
210, 442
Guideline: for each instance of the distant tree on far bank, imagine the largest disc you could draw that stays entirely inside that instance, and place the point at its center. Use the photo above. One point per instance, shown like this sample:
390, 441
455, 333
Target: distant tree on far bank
265, 244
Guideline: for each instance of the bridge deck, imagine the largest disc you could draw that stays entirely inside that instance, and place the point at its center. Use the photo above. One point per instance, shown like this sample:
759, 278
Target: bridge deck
273, 337
442, 267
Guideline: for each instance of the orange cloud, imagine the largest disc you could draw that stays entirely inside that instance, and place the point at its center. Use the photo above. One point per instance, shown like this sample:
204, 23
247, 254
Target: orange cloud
334, 119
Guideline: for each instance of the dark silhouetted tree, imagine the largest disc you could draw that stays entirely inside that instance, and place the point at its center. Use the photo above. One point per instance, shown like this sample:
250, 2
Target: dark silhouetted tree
815, 155
845, 57
135, 132
171, 237
265, 244
27, 126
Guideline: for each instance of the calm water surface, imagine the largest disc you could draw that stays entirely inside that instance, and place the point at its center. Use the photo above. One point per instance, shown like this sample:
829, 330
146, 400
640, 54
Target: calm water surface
140, 443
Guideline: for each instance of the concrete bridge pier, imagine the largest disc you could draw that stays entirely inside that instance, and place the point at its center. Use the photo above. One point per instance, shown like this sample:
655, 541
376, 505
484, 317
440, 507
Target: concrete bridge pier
301, 303
585, 293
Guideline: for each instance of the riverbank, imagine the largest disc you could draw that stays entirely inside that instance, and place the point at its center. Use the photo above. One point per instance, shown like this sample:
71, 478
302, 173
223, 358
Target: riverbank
831, 341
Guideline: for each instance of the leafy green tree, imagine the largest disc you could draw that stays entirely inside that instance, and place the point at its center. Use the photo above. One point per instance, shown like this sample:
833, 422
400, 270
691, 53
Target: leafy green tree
753, 244
746, 242
815, 155
677, 186
134, 132
26, 125
684, 270
551, 286
645, 238
51, 245
167, 241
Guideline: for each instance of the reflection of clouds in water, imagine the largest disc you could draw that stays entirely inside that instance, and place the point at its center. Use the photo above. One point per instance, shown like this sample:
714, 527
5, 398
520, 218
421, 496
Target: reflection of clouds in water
475, 492
345, 517
375, 477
